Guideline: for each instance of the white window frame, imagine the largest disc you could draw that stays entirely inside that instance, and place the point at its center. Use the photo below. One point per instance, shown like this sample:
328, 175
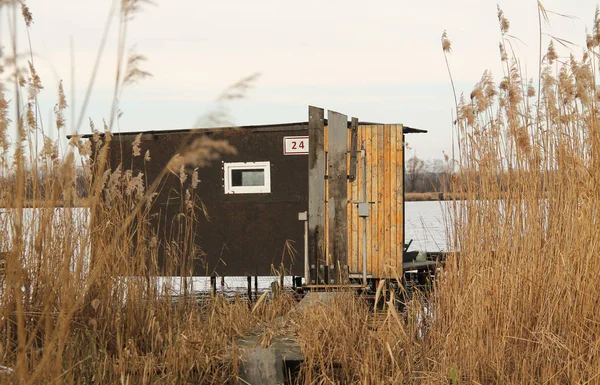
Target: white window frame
229, 167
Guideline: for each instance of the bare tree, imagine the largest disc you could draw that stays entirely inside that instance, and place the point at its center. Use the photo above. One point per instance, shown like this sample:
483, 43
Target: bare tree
438, 172
415, 170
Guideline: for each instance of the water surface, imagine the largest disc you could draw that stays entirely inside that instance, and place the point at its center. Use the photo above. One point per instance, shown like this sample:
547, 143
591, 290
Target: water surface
425, 225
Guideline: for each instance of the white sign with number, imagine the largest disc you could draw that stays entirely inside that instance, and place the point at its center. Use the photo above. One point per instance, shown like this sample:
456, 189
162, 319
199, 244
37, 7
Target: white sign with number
295, 145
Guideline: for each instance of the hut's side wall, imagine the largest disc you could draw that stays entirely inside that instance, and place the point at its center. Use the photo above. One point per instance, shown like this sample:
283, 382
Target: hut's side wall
237, 234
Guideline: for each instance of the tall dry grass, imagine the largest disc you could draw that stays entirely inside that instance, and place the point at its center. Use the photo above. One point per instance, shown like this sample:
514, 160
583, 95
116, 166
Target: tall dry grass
79, 298
519, 304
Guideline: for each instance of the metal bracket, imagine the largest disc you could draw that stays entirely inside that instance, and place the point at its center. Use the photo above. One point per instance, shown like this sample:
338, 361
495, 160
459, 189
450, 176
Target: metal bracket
353, 149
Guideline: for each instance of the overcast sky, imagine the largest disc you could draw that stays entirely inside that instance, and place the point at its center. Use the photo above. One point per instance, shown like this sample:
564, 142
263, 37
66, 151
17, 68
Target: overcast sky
377, 60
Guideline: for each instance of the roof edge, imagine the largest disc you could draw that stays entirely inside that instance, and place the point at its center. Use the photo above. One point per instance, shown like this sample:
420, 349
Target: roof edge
406, 129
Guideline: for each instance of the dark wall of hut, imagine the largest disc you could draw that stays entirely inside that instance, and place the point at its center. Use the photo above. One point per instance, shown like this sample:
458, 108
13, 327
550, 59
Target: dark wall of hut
232, 234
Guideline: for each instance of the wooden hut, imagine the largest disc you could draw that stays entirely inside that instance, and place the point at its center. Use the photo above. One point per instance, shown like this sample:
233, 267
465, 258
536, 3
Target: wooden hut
344, 178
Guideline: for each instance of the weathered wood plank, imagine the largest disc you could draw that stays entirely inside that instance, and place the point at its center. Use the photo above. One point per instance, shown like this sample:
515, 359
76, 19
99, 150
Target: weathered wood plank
354, 189
380, 201
316, 189
387, 199
358, 196
349, 218
352, 214
367, 138
338, 195
400, 193
374, 195
326, 249
394, 200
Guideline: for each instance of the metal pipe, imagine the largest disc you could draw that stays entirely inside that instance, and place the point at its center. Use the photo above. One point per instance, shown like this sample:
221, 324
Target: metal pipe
363, 153
306, 261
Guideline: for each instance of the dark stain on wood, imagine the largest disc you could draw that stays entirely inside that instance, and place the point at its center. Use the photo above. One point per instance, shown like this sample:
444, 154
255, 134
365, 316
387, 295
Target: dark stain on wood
338, 195
316, 189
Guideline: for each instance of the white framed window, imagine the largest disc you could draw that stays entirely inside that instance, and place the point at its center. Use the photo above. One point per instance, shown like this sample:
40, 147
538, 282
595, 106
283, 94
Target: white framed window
247, 177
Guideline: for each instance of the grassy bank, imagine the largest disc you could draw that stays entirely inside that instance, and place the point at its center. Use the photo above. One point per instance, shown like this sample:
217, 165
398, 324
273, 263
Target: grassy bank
521, 305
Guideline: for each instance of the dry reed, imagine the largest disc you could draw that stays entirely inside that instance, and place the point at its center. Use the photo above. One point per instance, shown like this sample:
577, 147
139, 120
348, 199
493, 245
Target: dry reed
518, 304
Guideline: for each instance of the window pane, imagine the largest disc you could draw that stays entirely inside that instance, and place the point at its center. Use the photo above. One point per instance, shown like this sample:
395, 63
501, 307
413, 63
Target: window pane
248, 177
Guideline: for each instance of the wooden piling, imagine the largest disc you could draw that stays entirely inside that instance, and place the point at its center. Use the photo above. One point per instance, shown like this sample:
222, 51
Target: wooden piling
213, 285
256, 287
316, 189
249, 279
337, 159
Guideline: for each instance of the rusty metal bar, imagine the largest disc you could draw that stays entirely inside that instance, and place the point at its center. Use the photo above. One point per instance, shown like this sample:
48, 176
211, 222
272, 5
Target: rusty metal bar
353, 149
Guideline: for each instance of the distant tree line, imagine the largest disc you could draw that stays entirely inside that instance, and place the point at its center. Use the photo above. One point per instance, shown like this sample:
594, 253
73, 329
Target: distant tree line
47, 184
426, 176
